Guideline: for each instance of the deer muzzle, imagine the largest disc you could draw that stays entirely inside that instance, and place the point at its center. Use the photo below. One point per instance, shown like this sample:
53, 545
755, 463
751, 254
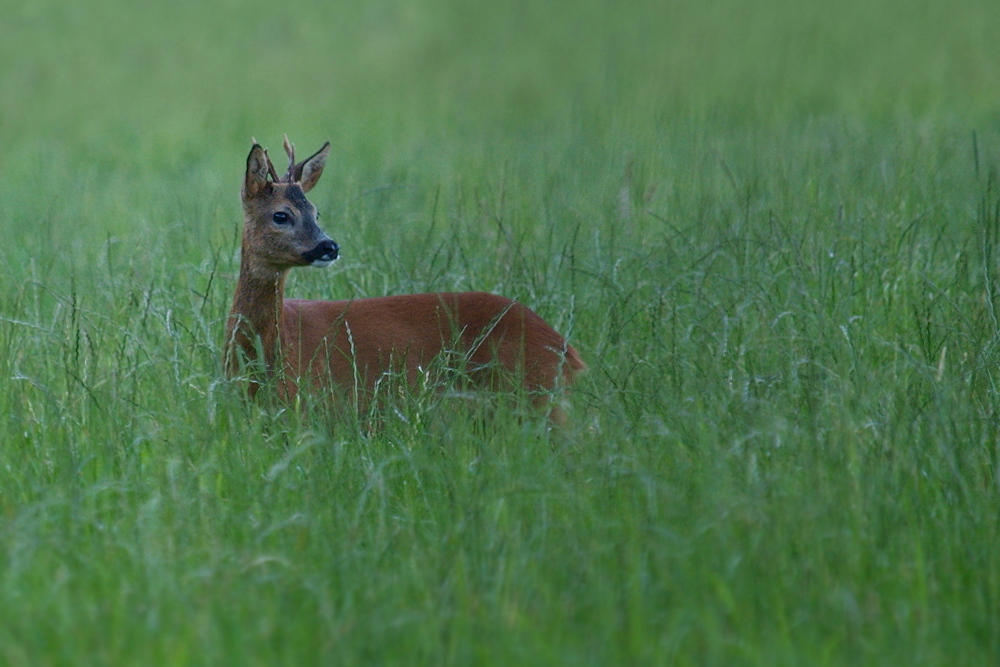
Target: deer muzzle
324, 254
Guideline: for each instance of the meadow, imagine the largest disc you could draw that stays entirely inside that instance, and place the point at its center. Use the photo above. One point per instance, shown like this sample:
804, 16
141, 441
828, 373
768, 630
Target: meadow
772, 231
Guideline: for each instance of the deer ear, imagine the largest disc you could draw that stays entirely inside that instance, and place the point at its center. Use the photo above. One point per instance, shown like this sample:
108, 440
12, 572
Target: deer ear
257, 169
312, 168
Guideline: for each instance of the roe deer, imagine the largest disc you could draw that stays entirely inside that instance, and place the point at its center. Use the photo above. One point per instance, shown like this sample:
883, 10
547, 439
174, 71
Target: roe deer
350, 345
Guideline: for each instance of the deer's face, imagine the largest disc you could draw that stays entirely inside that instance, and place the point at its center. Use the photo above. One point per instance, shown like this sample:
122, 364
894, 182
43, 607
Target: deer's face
281, 230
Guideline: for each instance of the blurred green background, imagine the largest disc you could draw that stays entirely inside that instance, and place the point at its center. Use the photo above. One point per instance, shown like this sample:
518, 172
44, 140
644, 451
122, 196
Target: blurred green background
135, 97
187, 81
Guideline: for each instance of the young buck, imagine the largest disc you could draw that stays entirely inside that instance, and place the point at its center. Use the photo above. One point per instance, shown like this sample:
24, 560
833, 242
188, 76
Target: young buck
347, 346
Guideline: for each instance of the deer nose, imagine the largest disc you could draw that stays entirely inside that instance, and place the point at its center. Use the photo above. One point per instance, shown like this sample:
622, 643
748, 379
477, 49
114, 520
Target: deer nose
325, 252
329, 248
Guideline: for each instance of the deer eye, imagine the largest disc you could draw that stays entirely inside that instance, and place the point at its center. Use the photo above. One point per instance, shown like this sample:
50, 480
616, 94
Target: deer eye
281, 218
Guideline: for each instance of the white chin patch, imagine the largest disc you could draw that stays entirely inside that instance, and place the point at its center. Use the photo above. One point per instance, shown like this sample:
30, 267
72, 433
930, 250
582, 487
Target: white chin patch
322, 263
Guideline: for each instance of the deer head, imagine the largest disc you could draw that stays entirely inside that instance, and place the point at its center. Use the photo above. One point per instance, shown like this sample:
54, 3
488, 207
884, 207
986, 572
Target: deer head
280, 229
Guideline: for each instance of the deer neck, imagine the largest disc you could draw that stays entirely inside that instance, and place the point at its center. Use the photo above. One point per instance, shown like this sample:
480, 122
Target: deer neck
256, 318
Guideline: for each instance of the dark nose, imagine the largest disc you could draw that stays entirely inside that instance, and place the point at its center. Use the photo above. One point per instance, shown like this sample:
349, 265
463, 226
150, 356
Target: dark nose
329, 249
325, 251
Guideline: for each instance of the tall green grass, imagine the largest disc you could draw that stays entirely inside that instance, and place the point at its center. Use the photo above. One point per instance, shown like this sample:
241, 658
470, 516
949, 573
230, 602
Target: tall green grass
772, 231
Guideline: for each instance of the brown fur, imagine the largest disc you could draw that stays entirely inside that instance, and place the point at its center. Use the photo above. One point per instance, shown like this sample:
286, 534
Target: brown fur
350, 345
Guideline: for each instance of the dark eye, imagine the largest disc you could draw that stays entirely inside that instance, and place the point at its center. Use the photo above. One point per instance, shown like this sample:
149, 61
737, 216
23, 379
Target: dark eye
281, 218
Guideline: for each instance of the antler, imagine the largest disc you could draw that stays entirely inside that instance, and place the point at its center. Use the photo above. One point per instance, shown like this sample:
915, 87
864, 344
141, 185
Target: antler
294, 173
291, 176
270, 168
270, 165
271, 171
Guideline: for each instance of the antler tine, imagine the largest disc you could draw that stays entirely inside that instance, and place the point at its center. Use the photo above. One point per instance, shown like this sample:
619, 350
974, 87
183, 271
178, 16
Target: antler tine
290, 151
270, 167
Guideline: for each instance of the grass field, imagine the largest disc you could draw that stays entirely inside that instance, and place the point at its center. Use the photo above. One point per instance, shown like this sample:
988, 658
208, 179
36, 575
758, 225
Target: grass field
773, 232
